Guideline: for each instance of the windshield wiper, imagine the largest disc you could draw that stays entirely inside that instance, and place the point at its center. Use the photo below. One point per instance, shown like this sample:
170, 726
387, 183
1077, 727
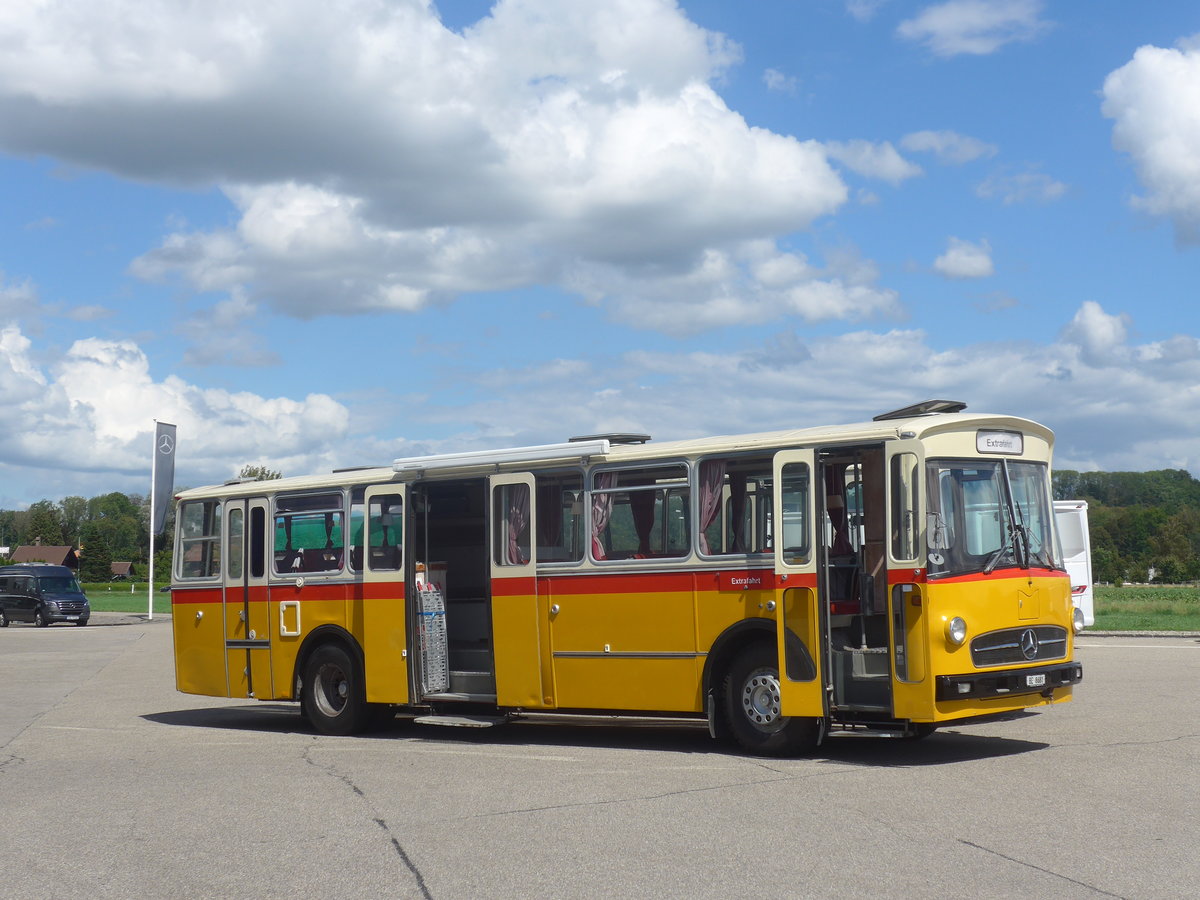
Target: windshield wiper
998, 554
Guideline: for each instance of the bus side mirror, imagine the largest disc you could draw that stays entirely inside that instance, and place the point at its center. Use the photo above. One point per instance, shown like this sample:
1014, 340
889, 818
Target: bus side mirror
935, 529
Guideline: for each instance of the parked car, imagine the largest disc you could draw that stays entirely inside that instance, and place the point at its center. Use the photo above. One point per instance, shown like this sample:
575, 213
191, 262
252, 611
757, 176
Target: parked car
41, 593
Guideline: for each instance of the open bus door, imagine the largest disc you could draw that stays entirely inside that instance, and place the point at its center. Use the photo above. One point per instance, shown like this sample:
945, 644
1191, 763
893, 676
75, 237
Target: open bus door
912, 697
801, 683
246, 610
520, 623
385, 624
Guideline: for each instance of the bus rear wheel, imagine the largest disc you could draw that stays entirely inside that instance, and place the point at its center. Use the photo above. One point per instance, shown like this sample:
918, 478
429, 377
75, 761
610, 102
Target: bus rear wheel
332, 694
751, 698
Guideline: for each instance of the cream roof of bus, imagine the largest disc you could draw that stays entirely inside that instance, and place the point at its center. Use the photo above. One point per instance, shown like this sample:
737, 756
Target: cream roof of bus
855, 433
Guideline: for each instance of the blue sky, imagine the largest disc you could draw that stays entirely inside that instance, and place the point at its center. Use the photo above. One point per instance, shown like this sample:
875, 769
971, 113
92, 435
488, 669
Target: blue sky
327, 233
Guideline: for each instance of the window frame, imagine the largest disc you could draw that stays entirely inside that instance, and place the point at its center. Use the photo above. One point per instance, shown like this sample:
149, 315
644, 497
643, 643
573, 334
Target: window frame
685, 482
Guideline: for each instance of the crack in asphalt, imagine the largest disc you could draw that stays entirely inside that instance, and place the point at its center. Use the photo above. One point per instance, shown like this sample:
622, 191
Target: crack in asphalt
1036, 868
10, 760
382, 823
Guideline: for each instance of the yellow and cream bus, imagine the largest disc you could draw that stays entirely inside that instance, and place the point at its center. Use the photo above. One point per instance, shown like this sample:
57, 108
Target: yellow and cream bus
887, 577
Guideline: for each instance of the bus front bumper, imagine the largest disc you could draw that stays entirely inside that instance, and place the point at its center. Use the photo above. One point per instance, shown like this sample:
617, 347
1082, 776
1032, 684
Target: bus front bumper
1037, 680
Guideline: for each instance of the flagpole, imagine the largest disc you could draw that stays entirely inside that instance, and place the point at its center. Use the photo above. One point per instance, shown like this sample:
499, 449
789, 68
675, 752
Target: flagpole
153, 479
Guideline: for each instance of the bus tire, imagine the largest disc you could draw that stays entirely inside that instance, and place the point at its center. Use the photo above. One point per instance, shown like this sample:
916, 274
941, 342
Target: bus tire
332, 694
751, 705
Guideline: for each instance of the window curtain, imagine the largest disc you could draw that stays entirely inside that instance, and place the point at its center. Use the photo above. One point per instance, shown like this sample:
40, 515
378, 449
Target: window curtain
602, 504
641, 507
550, 514
518, 518
712, 479
835, 506
737, 515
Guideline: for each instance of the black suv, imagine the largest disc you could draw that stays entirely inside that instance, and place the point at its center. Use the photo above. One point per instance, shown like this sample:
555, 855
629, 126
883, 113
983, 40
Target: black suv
41, 594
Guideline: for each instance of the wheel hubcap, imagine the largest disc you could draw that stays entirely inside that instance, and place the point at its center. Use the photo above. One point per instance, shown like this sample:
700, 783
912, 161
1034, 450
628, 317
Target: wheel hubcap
333, 690
760, 699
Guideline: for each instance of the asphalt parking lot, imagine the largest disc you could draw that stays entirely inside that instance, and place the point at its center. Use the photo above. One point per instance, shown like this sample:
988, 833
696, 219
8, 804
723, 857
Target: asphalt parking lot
112, 784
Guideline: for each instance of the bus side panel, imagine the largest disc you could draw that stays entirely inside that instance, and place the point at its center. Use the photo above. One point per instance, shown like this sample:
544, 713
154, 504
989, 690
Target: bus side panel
199, 630
626, 641
381, 627
988, 604
521, 642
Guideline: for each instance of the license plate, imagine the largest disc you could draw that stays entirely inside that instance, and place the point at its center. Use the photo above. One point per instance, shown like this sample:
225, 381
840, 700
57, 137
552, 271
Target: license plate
1035, 680
72, 618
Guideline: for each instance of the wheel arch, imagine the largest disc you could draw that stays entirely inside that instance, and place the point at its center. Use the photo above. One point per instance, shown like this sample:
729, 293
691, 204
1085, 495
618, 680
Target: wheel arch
320, 637
731, 641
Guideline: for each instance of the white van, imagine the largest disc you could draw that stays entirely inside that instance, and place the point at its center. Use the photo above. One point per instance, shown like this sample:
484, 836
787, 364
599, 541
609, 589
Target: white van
1070, 516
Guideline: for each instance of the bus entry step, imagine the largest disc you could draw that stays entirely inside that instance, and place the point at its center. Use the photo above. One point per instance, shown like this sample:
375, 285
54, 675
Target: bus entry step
461, 721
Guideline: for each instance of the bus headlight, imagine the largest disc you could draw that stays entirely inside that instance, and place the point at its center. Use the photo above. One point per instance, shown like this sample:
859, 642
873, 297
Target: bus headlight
1077, 620
956, 631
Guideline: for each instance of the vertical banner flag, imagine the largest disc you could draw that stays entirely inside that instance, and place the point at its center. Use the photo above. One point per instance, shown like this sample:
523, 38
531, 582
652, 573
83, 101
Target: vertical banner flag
164, 474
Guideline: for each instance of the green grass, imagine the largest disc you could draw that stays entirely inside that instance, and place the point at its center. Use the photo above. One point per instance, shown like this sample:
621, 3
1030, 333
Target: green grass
1145, 608
125, 597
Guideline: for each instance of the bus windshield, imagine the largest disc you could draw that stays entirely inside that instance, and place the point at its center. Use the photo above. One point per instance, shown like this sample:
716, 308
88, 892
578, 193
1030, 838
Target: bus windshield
985, 515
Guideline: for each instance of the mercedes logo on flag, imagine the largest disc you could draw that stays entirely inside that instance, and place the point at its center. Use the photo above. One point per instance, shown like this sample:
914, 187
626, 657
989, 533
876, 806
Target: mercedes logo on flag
166, 443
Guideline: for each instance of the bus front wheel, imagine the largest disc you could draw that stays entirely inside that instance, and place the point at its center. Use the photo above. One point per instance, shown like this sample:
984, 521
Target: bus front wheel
751, 698
332, 698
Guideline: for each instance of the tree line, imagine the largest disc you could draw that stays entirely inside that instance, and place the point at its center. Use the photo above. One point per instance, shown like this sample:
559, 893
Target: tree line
1145, 526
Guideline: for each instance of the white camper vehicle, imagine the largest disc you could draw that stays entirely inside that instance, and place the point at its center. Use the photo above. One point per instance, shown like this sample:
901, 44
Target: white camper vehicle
1071, 518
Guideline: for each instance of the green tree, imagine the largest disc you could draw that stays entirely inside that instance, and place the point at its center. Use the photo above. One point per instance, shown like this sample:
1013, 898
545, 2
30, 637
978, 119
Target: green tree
258, 473
44, 525
115, 519
73, 513
96, 563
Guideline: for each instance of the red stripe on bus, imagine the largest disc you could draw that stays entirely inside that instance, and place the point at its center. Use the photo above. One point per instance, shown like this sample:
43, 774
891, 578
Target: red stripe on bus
1007, 573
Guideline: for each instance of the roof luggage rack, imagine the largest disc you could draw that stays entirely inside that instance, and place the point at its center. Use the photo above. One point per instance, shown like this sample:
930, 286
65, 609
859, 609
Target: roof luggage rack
924, 408
624, 437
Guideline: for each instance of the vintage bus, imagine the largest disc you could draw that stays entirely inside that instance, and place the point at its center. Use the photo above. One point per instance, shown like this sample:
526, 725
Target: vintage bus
887, 577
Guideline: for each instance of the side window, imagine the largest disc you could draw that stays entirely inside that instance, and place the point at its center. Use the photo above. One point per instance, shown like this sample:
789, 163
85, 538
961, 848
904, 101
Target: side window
640, 513
510, 511
385, 536
308, 533
237, 552
904, 506
560, 517
258, 542
199, 551
734, 503
796, 529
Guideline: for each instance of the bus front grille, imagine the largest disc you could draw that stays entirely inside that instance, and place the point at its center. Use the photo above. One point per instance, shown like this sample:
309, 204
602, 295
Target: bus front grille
1019, 645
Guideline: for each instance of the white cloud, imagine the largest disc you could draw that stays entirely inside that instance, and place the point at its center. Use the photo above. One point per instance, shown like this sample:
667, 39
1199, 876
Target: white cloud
778, 81
753, 283
16, 299
222, 335
1155, 102
380, 161
873, 160
1100, 337
963, 260
1021, 187
949, 147
864, 10
93, 409
977, 27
